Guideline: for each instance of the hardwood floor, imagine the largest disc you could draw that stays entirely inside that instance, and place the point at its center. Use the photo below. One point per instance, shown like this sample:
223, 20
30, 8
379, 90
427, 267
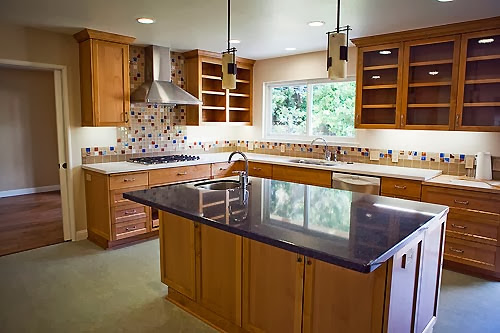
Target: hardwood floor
30, 221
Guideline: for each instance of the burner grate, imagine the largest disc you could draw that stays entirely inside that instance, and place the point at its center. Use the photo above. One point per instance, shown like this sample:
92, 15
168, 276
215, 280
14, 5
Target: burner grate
164, 159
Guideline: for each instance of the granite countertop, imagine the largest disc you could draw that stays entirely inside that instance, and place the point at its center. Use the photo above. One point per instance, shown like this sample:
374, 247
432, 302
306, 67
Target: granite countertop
357, 168
353, 230
459, 182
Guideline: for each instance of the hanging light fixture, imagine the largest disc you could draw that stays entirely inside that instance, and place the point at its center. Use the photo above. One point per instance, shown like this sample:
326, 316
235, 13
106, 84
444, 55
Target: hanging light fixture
229, 57
337, 49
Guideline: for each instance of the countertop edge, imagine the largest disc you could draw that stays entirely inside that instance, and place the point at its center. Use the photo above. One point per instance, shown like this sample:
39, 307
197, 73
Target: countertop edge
461, 187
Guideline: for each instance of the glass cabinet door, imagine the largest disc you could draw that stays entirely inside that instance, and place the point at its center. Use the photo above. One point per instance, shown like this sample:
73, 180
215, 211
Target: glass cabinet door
430, 75
378, 74
478, 106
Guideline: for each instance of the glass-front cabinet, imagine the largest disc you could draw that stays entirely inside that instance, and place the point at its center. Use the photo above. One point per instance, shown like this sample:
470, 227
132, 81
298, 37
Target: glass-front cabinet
430, 77
378, 93
478, 107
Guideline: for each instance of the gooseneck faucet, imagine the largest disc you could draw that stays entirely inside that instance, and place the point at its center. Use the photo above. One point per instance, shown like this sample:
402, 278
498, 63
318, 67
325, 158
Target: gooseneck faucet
243, 174
328, 154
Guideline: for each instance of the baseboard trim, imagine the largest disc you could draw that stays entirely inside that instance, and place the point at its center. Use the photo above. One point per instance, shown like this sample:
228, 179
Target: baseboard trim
31, 190
81, 235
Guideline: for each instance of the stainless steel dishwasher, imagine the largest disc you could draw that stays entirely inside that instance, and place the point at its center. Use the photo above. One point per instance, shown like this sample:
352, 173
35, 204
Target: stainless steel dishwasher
356, 183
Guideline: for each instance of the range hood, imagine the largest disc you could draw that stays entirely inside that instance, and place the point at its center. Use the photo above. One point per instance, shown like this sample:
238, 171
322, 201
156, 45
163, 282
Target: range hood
158, 87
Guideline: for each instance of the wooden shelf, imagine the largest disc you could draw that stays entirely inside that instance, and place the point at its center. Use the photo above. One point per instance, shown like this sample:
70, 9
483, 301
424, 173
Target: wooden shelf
211, 77
381, 86
480, 104
438, 105
433, 62
429, 84
379, 106
238, 109
207, 107
242, 81
239, 95
374, 68
482, 81
481, 58
211, 92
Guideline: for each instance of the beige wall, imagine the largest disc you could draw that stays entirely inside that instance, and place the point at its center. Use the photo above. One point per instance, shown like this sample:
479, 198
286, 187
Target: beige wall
20, 43
27, 129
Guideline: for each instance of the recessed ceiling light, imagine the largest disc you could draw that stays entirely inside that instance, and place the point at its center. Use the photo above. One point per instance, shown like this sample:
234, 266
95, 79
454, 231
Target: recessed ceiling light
486, 41
434, 73
234, 41
385, 52
145, 20
290, 48
445, 0
316, 23
376, 77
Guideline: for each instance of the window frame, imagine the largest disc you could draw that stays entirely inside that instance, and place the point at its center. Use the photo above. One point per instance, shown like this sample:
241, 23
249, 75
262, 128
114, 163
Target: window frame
292, 138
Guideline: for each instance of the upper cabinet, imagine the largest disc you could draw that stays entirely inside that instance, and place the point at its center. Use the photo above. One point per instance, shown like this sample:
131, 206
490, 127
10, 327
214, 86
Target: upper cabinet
104, 78
440, 78
203, 71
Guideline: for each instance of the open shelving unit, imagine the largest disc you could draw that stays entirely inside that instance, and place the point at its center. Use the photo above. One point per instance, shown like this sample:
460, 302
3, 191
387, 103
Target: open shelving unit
204, 80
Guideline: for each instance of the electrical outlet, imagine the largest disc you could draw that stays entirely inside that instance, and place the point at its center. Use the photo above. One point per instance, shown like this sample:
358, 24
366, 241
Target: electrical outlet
395, 157
374, 155
282, 148
250, 145
469, 162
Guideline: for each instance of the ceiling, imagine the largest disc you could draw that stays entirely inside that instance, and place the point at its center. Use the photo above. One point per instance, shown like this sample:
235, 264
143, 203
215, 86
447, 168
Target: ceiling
265, 27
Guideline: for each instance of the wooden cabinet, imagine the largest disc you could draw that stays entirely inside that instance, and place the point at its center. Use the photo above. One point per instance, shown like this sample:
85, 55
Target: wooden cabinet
204, 80
302, 175
104, 78
173, 175
400, 188
272, 288
262, 170
479, 82
225, 169
439, 78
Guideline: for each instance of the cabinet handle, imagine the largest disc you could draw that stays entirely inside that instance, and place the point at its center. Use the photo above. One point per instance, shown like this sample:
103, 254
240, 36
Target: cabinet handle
309, 262
126, 117
131, 228
465, 202
402, 120
182, 173
222, 169
129, 212
458, 226
126, 180
457, 121
401, 187
258, 169
357, 118
456, 250
299, 258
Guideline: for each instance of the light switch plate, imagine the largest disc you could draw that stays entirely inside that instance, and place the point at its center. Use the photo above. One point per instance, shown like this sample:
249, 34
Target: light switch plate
374, 155
469, 162
282, 148
395, 157
250, 145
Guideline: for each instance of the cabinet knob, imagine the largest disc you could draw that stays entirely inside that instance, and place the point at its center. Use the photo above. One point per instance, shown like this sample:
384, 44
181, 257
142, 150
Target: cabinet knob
458, 226
309, 262
182, 173
299, 258
400, 187
456, 250
461, 202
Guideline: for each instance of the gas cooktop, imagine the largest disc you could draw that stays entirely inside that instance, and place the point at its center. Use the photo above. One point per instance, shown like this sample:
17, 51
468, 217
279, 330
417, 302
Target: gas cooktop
164, 159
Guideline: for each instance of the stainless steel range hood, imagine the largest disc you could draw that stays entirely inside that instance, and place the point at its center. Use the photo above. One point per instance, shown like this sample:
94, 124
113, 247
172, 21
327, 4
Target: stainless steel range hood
158, 87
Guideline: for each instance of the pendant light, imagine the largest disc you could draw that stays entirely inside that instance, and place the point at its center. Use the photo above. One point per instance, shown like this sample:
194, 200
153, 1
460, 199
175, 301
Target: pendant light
337, 49
229, 57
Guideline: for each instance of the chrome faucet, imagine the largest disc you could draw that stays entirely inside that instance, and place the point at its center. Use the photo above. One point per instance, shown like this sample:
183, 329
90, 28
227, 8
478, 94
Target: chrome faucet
328, 154
243, 174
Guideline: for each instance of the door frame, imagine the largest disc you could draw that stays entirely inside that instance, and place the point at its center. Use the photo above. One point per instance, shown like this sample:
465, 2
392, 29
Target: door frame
63, 137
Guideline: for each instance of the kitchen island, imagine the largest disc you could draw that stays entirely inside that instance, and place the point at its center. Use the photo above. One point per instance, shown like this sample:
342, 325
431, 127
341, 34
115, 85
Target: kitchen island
286, 257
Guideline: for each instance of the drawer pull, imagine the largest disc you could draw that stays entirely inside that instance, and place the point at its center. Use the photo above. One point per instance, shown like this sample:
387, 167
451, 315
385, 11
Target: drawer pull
456, 250
130, 212
131, 228
182, 173
464, 202
221, 169
458, 226
126, 180
257, 169
401, 187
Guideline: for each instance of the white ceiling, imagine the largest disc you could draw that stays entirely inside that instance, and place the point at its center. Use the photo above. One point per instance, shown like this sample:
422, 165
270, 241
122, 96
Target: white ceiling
265, 27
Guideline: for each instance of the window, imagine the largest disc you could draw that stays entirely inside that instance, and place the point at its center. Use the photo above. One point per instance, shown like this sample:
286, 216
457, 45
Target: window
307, 109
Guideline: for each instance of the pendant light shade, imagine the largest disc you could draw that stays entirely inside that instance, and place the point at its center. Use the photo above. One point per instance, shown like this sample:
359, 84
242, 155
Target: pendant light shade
229, 57
337, 50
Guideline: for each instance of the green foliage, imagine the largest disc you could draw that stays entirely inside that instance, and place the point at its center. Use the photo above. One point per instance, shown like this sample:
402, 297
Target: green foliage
289, 105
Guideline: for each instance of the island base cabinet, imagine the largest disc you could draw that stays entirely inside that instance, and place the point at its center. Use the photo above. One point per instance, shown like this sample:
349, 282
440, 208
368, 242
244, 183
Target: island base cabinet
272, 288
341, 300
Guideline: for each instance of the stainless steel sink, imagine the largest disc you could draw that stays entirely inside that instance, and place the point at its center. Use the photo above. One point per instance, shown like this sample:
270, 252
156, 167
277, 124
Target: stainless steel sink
313, 162
219, 185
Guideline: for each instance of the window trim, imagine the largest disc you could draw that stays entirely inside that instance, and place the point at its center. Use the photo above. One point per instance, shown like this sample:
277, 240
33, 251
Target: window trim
266, 128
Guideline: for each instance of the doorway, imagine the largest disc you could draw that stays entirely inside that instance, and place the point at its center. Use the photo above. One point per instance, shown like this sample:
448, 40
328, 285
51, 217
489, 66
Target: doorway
34, 201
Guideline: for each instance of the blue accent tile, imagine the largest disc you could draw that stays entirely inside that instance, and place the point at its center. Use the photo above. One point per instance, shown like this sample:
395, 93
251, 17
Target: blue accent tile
359, 149
447, 160
414, 153
389, 151
381, 155
423, 158
111, 148
366, 153
199, 143
185, 137
152, 117
310, 150
174, 141
441, 154
133, 139
150, 135
462, 156
143, 128
87, 150
143, 150
132, 113
156, 146
103, 152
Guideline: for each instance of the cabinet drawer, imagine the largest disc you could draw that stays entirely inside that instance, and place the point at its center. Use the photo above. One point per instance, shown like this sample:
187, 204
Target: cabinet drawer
173, 175
464, 199
225, 169
401, 188
262, 170
129, 228
117, 198
472, 225
302, 175
470, 253
128, 212
128, 180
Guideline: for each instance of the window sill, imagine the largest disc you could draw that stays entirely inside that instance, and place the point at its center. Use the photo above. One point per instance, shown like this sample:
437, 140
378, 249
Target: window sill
345, 142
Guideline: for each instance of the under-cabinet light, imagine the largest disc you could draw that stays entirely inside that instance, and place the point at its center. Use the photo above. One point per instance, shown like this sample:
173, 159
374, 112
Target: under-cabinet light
434, 73
486, 41
376, 77
385, 52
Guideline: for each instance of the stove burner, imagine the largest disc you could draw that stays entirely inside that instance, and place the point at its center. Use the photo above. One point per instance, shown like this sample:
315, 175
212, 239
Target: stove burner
164, 159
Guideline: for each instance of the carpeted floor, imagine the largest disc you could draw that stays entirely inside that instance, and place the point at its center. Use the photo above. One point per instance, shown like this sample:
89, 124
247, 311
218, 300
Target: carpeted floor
77, 287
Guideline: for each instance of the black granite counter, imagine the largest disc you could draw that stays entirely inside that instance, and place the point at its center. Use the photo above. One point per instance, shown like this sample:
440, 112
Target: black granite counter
352, 230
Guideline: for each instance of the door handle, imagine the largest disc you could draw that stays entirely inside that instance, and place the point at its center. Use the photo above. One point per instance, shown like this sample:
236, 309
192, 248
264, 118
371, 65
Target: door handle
64, 165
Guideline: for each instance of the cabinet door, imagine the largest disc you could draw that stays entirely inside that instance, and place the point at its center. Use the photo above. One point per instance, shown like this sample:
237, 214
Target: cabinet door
111, 85
219, 273
430, 76
302, 175
478, 107
378, 80
177, 248
272, 288
340, 300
